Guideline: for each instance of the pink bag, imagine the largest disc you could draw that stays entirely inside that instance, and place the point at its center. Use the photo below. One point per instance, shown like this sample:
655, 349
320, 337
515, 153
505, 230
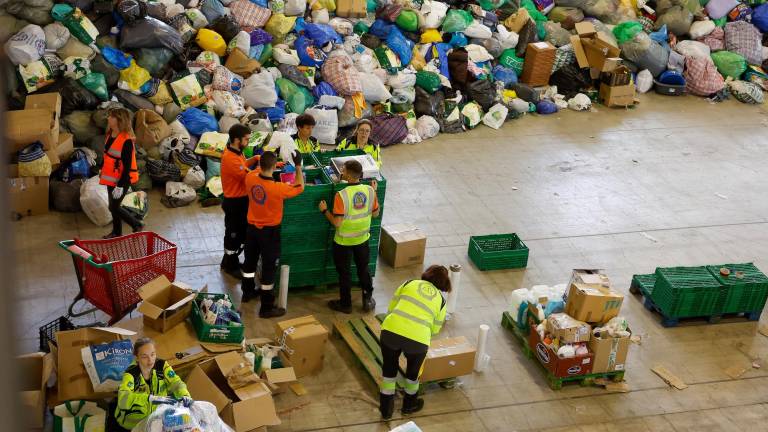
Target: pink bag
341, 74
743, 38
388, 129
715, 40
702, 77
249, 14
389, 12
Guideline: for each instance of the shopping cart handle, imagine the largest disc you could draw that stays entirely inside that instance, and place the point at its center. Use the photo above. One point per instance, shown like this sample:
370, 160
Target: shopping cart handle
77, 250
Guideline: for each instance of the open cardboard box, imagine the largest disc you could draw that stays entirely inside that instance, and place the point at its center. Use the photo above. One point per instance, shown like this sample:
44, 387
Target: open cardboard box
244, 409
73, 379
38, 121
166, 304
34, 371
448, 358
279, 379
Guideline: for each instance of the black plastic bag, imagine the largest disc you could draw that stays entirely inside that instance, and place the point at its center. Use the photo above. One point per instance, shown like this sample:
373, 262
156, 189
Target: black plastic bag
132, 101
570, 79
527, 93
154, 60
370, 41
458, 60
65, 196
429, 104
483, 92
150, 33
132, 10
528, 34
226, 26
75, 97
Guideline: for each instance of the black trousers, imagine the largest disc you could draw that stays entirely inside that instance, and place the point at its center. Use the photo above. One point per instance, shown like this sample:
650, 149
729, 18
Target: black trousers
392, 345
342, 259
118, 214
262, 243
235, 224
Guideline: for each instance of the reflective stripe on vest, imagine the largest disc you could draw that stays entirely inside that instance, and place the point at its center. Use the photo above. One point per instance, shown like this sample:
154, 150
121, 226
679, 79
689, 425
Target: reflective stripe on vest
356, 226
112, 169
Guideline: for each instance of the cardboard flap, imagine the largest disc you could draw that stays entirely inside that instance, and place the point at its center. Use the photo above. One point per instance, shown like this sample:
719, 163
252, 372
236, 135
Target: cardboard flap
181, 302
201, 387
228, 361
252, 391
116, 330
148, 309
153, 287
279, 376
254, 413
578, 50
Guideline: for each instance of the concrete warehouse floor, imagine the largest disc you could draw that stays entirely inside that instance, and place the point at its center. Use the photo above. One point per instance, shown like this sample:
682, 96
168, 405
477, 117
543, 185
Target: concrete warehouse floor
676, 181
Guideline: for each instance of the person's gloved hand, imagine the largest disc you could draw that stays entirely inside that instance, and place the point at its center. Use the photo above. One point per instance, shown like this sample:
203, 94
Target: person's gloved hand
296, 158
187, 401
117, 193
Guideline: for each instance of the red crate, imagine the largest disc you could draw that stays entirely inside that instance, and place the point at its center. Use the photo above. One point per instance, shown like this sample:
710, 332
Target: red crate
559, 367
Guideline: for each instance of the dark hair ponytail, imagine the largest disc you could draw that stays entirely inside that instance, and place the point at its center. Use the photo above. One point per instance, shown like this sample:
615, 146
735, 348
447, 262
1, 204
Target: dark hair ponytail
437, 275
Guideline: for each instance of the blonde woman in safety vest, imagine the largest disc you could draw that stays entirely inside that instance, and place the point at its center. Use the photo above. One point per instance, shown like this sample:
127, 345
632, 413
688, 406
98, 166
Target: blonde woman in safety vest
415, 314
353, 208
119, 170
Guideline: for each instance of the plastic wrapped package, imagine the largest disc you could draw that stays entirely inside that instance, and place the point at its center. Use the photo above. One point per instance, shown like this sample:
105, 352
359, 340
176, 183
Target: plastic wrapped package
689, 48
496, 116
56, 35
36, 75
700, 29
26, 46
701, 77
228, 104
94, 201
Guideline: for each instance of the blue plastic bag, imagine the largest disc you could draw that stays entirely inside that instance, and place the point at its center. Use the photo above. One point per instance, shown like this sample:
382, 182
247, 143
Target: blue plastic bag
506, 75
381, 29
546, 107
323, 89
321, 34
300, 24
309, 55
459, 40
401, 46
262, 3
198, 122
441, 51
275, 113
760, 18
116, 58
661, 36
213, 9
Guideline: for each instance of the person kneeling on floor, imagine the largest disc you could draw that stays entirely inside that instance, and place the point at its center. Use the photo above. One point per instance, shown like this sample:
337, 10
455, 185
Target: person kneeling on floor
415, 314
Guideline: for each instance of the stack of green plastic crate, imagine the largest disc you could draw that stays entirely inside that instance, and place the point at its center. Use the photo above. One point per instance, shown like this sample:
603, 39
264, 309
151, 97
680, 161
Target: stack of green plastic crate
745, 289
682, 292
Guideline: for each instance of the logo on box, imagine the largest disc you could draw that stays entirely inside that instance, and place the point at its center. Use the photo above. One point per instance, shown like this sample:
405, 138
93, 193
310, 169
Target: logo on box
542, 352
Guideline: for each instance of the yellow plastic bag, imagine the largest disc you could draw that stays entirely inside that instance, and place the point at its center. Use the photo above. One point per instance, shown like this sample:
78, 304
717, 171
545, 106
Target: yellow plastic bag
417, 61
328, 4
134, 76
431, 36
209, 40
517, 21
358, 99
163, 95
279, 25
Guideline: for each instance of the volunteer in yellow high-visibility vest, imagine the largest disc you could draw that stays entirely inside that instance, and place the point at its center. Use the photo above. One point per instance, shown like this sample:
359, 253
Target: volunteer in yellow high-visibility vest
415, 314
353, 208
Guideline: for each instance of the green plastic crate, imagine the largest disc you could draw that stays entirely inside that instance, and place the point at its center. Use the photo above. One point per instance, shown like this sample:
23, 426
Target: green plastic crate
214, 333
313, 193
303, 278
498, 251
305, 260
745, 294
332, 277
644, 283
302, 241
681, 292
323, 159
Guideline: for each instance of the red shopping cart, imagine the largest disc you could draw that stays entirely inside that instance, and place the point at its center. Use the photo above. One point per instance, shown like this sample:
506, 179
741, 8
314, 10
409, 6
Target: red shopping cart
110, 272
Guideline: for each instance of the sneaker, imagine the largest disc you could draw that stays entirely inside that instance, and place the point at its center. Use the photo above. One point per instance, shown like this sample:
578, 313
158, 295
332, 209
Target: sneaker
338, 307
369, 304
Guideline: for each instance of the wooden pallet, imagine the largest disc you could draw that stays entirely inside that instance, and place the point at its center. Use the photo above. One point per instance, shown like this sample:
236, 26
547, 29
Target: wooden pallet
362, 336
555, 383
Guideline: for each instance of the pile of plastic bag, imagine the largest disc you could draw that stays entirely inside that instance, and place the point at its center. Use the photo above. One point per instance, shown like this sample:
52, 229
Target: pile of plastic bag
190, 69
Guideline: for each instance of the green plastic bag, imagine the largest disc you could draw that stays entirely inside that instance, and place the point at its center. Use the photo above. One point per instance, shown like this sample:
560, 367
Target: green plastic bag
388, 59
729, 64
721, 21
627, 31
78, 24
428, 81
408, 20
537, 16
298, 99
97, 84
491, 5
361, 28
510, 60
371, 5
457, 20
266, 54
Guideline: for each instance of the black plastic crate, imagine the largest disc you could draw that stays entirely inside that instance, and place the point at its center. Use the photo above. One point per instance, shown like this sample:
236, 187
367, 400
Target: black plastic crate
48, 331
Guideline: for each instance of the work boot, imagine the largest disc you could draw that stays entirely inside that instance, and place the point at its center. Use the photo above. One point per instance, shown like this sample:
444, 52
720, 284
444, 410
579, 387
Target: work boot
230, 264
386, 405
338, 307
268, 308
369, 304
412, 404
249, 290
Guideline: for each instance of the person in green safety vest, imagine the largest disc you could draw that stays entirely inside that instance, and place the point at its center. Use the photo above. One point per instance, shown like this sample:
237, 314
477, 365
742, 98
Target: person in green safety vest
353, 208
303, 138
147, 382
360, 141
415, 314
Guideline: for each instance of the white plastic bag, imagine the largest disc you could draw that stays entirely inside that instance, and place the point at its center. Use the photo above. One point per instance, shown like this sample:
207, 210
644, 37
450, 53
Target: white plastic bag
286, 56
496, 116
644, 81
365, 62
179, 194
228, 103
81, 416
506, 38
242, 41
477, 53
197, 18
26, 46
56, 36
412, 137
433, 12
227, 122
326, 124
179, 131
373, 89
691, 48
320, 16
427, 127
407, 94
403, 79
581, 102
94, 200
343, 27
478, 31
259, 90
283, 144
700, 29
295, 7
331, 101
288, 124
195, 177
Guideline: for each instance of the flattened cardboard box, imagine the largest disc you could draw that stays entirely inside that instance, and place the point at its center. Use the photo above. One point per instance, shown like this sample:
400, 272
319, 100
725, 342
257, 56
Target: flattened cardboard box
73, 379
34, 371
351, 8
165, 304
402, 245
305, 337
448, 358
593, 303
245, 409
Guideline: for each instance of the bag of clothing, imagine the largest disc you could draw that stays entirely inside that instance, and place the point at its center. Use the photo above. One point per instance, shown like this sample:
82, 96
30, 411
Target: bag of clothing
746, 92
259, 90
229, 104
178, 194
427, 127
26, 46
729, 64
33, 162
162, 171
326, 124
496, 116
195, 177
249, 14
185, 159
388, 129
65, 196
743, 38
715, 40
150, 129
340, 72
427, 104
212, 9
701, 77
95, 202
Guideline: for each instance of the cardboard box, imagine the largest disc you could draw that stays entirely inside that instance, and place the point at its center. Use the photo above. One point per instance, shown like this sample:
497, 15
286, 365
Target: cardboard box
578, 50
610, 353
598, 51
567, 329
539, 59
73, 379
593, 303
51, 102
620, 96
34, 371
590, 277
165, 304
585, 29
559, 367
448, 358
351, 8
280, 379
65, 147
245, 408
28, 195
38, 121
402, 245
306, 339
